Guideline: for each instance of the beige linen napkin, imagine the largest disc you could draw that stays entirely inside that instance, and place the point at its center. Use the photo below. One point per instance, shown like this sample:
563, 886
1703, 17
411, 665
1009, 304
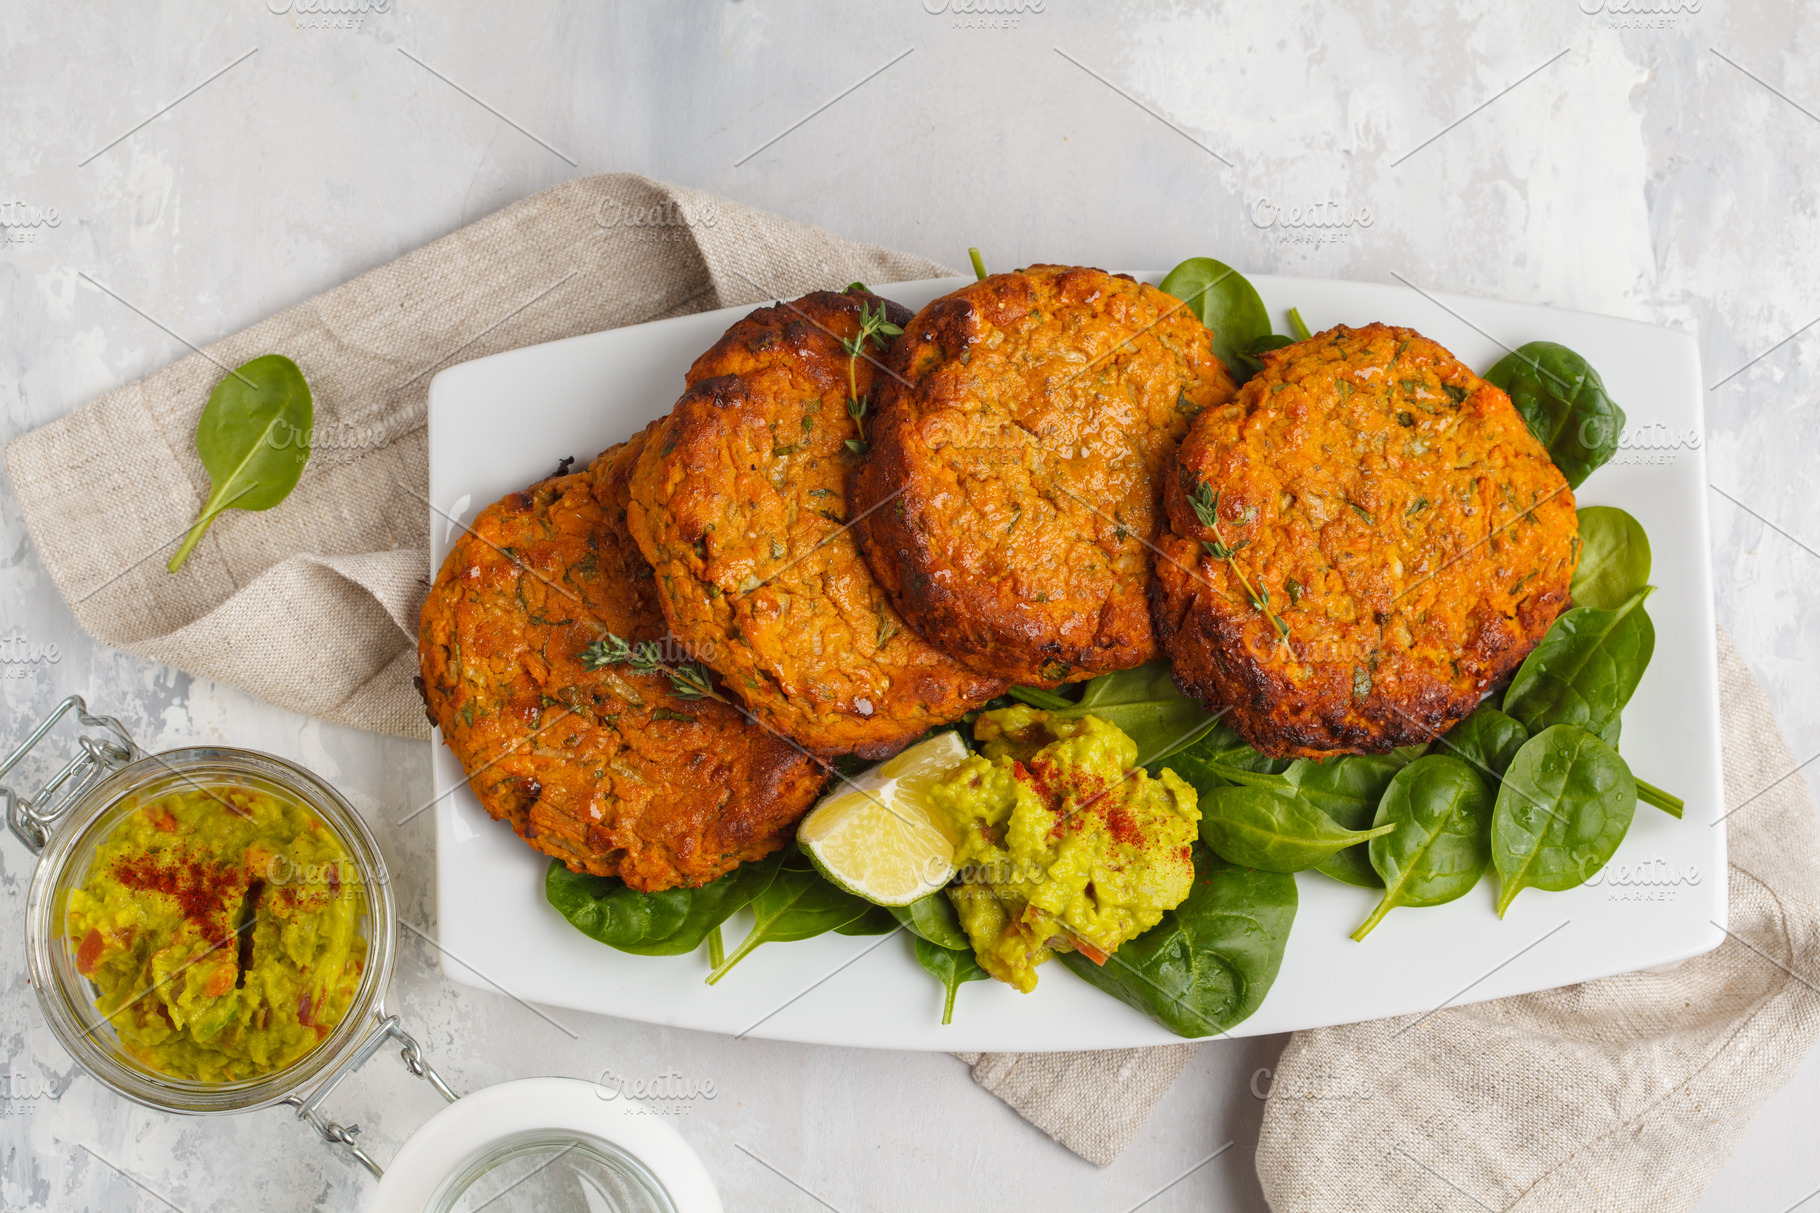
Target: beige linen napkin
313, 605
1618, 1094
1093, 1103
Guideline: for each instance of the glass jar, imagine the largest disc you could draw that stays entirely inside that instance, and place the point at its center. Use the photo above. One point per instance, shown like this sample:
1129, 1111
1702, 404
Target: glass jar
66, 996
477, 1144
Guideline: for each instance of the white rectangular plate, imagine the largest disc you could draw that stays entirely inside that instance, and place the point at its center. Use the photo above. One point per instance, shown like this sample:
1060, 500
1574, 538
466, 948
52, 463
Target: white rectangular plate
499, 423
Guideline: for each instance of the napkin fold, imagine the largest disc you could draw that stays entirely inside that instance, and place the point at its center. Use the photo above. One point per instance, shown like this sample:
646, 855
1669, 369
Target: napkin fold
1094, 1102
1617, 1094
312, 605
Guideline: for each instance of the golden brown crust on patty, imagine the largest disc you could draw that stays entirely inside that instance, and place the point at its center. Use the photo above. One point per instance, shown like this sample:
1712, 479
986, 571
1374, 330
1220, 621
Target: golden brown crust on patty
1017, 461
740, 503
607, 770
1410, 533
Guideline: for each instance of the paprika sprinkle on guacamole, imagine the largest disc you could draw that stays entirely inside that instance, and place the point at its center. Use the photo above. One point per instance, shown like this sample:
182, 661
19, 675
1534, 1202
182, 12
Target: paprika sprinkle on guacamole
200, 889
219, 925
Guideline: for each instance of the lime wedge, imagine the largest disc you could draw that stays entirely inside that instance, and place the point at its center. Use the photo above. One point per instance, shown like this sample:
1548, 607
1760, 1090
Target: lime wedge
876, 835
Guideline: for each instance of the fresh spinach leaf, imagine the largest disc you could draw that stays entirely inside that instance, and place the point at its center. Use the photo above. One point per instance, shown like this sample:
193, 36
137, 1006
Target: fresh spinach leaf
1221, 759
953, 967
1208, 964
1585, 670
967, 718
253, 438
1565, 805
668, 923
1145, 703
1439, 814
1486, 741
1200, 775
1662, 799
1220, 774
1564, 403
850, 765
1347, 789
1223, 746
875, 921
1262, 828
606, 910
1614, 558
1036, 697
1298, 326
1227, 304
799, 903
935, 919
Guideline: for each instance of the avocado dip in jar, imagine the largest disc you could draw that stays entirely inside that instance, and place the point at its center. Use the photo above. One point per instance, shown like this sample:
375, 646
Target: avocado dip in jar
219, 924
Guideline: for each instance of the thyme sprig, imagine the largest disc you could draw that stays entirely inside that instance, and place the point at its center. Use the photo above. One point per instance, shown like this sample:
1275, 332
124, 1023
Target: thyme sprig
689, 680
1206, 502
873, 327
613, 650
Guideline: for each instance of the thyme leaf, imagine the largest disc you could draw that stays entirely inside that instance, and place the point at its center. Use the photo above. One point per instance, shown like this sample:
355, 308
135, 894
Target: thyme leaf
874, 328
1206, 502
689, 680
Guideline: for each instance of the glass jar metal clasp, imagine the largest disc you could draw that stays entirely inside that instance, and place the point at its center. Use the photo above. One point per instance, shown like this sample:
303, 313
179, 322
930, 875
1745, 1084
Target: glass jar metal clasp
32, 818
309, 1109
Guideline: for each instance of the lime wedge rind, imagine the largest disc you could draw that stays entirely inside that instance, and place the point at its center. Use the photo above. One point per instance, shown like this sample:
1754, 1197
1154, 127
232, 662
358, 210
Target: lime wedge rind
876, 835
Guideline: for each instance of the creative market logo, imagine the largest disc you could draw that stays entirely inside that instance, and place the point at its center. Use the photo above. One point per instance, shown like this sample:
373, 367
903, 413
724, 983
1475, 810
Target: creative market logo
1323, 1087
1654, 879
664, 221
984, 14
665, 1094
1640, 14
1310, 223
327, 14
23, 223
21, 657
21, 1093
1652, 444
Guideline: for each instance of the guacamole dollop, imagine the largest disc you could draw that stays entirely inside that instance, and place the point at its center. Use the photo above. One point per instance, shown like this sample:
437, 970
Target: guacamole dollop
219, 925
1066, 844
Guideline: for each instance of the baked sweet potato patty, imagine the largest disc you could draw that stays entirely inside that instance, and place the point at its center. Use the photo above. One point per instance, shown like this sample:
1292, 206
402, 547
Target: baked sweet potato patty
740, 502
1011, 492
606, 769
1360, 544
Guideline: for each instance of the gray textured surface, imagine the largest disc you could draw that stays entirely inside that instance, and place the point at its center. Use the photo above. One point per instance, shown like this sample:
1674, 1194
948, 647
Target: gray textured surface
1640, 174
